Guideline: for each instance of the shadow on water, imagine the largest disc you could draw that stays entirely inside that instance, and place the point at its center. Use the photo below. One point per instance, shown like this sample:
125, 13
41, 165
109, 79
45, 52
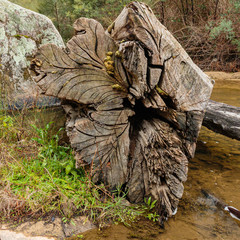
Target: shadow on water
215, 168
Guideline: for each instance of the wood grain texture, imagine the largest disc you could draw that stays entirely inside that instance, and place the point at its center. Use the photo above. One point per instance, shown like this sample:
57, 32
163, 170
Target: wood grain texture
135, 103
137, 23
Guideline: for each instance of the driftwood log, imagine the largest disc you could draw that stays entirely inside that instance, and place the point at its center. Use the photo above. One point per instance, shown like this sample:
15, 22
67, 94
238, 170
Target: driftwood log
223, 118
135, 102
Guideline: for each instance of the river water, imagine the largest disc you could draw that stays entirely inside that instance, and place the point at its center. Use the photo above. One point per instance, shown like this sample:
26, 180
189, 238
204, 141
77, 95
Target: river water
216, 169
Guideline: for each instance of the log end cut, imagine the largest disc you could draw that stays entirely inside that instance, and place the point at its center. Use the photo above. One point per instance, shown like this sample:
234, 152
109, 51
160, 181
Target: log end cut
135, 102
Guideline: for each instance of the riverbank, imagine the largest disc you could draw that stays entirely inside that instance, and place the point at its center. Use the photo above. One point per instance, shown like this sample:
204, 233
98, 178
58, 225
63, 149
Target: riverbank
50, 228
225, 80
226, 85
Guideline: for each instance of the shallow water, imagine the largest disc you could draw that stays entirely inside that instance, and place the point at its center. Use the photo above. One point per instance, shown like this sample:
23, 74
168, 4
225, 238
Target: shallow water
215, 168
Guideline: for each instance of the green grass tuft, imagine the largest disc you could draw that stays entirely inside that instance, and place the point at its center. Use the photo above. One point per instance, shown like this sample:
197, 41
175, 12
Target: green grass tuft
47, 181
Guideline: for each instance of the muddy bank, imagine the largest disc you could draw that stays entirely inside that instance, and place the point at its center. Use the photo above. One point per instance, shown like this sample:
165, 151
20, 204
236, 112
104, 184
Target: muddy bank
225, 80
224, 75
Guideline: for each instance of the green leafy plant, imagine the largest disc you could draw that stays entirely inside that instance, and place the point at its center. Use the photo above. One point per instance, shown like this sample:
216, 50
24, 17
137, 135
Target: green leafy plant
7, 128
149, 209
49, 182
119, 209
149, 203
61, 157
225, 26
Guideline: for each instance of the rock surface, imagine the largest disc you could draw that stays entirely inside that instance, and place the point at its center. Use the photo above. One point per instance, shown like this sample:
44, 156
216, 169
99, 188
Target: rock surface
9, 235
46, 230
22, 32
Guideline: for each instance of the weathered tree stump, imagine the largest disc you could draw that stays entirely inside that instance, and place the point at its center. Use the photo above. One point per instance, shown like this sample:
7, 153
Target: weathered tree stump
135, 102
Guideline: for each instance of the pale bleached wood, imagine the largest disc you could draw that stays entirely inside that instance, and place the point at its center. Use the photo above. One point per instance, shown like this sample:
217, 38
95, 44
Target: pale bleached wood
97, 125
223, 118
183, 93
137, 23
134, 100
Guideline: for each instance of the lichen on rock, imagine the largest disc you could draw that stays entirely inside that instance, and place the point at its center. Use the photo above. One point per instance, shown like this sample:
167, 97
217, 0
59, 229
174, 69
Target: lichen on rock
22, 32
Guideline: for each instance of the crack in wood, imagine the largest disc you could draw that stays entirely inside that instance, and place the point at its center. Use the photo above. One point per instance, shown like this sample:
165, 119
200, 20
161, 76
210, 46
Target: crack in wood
136, 125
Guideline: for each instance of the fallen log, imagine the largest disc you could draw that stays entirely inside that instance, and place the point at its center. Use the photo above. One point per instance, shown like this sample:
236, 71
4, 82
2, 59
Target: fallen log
223, 118
134, 100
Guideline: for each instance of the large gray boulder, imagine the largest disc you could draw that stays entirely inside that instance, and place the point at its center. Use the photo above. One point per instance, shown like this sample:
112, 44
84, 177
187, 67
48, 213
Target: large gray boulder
22, 32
